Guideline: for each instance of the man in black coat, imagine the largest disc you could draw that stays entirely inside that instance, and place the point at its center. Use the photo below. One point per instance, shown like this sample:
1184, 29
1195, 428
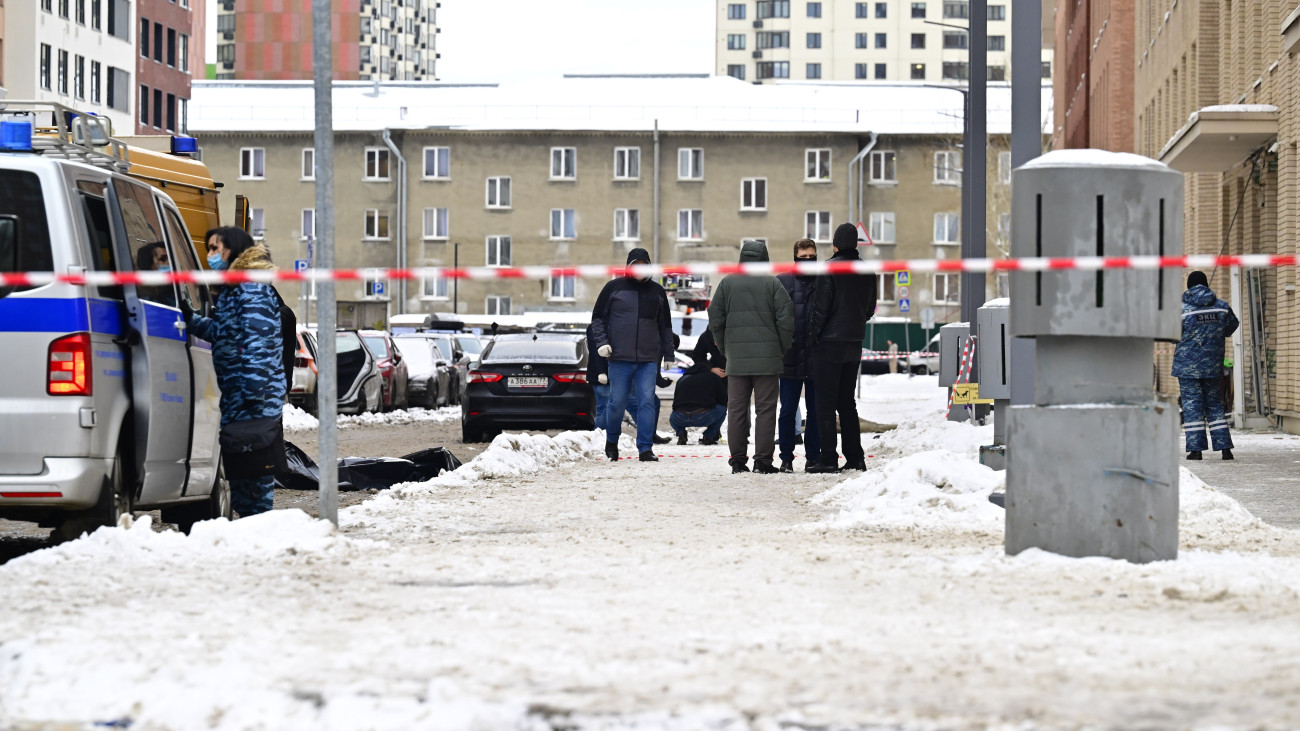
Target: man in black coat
842, 304
796, 377
700, 399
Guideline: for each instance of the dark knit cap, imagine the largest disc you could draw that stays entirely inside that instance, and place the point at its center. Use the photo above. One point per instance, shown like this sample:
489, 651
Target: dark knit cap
846, 236
636, 255
1196, 278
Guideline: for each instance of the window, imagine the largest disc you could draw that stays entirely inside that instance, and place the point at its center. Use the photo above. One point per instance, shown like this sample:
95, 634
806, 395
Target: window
861, 10
1004, 227
94, 14
753, 194
997, 43
861, 40
816, 165
735, 41
564, 224
882, 227
171, 47
996, 73
81, 12
119, 25
882, 40
257, 222
884, 166
63, 72
252, 163
375, 287
690, 224
498, 251
814, 10
817, 226
158, 108
1004, 168
859, 70
690, 163
498, 192
882, 10
736, 71
497, 304
95, 73
773, 9
437, 163
997, 12
918, 72
774, 69
171, 113
956, 9
308, 171
433, 287
918, 11
118, 83
144, 104
918, 40
308, 228
1045, 70
813, 71
376, 223
226, 53
947, 167
814, 40
880, 71
47, 5
562, 286
947, 287
183, 52
158, 42
885, 286
46, 62
79, 77
627, 163
956, 70
1003, 280
627, 224
435, 224
376, 164
774, 39
954, 39
63, 9
736, 11
564, 163
947, 228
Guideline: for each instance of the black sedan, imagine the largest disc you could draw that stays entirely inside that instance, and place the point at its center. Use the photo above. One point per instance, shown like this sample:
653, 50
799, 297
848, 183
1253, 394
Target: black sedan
528, 381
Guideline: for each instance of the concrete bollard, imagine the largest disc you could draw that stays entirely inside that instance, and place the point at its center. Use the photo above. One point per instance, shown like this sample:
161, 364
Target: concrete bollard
993, 354
1092, 465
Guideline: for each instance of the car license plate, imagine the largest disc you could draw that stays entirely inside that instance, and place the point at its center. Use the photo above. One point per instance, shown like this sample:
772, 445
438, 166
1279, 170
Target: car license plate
528, 382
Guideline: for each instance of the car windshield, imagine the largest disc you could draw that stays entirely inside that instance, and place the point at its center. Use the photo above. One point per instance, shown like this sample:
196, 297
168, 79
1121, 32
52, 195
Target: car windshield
689, 326
470, 345
377, 344
348, 342
418, 353
532, 351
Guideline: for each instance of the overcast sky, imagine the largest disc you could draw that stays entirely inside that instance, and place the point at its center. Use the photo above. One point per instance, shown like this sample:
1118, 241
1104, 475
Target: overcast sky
517, 40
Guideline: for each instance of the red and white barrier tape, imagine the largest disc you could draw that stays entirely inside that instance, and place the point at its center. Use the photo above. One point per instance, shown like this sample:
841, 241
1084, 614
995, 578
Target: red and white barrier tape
1029, 264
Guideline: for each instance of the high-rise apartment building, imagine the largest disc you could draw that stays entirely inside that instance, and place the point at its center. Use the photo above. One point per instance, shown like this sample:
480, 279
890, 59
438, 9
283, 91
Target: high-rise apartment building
76, 52
383, 40
1095, 61
165, 63
845, 40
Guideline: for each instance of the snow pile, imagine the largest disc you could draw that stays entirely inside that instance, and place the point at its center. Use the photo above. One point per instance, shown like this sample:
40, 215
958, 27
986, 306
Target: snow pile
1210, 520
894, 398
295, 419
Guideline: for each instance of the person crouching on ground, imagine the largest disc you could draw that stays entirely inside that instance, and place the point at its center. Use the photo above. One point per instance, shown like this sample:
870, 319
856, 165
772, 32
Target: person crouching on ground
699, 399
794, 378
842, 304
752, 321
1198, 366
631, 327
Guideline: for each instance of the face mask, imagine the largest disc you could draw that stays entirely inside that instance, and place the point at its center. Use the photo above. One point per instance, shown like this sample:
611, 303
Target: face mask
164, 268
216, 263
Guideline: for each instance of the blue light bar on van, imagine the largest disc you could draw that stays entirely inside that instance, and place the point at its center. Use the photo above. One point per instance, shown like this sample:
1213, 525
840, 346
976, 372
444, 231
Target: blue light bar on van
184, 145
15, 135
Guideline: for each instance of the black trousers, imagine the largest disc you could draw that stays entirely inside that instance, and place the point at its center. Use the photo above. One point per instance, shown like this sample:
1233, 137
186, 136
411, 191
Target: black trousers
834, 384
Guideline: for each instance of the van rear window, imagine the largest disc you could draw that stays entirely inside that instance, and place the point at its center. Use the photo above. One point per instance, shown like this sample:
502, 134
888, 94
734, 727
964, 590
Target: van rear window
24, 231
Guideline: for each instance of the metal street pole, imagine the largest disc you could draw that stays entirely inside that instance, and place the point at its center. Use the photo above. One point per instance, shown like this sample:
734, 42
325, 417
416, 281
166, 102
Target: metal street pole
1026, 144
975, 164
327, 378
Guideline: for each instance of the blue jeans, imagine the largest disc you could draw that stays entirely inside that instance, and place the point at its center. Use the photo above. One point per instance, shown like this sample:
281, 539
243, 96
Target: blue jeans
602, 404
786, 422
711, 420
625, 379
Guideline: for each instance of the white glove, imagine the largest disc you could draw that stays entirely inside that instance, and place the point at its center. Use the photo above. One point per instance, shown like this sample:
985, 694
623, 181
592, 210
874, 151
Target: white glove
604, 351
604, 379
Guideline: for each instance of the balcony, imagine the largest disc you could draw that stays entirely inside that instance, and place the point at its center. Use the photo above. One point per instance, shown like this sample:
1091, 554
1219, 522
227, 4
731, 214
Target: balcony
1217, 138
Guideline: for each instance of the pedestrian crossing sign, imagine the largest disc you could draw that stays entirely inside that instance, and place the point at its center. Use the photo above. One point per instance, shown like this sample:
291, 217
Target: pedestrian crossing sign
903, 278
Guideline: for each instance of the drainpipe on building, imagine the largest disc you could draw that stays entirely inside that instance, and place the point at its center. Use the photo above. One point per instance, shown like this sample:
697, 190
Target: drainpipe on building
401, 219
656, 193
857, 160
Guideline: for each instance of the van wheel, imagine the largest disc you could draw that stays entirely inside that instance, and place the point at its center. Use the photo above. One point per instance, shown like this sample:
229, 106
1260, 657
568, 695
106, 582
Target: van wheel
216, 506
115, 500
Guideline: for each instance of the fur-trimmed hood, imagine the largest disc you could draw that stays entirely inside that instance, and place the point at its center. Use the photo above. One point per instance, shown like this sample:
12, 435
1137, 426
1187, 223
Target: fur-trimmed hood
257, 257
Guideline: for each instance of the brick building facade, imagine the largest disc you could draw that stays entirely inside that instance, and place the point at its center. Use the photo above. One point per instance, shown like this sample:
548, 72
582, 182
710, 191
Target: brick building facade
164, 65
1094, 85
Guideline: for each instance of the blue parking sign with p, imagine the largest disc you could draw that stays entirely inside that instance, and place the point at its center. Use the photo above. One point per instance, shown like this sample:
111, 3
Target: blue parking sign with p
300, 265
902, 278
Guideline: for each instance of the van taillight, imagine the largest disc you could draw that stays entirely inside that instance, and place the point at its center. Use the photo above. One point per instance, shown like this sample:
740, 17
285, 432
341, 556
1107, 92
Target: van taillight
69, 372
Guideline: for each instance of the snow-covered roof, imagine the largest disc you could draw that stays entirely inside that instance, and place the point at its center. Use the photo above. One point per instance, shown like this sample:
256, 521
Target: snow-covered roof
692, 104
1093, 158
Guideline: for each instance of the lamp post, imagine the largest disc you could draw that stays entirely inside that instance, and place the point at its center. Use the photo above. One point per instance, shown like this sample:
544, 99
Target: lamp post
455, 283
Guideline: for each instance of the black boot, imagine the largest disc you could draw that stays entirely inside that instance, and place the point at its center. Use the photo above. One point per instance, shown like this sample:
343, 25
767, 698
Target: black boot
648, 456
681, 439
1227, 454
764, 468
611, 451
737, 465
706, 441
822, 468
660, 440
1194, 454
859, 465
787, 465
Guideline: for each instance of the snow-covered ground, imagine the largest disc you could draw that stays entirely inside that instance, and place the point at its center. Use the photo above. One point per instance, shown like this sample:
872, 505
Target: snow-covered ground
295, 419
541, 586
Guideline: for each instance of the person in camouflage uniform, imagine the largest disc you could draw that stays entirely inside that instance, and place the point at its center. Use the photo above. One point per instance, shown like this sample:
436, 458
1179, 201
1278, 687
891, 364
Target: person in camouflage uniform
1198, 366
247, 351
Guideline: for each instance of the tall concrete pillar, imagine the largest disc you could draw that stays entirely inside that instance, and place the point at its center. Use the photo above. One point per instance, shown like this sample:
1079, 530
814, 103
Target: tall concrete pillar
1093, 463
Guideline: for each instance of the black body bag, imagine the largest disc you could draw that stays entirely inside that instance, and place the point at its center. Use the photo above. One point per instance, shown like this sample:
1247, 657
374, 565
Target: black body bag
253, 448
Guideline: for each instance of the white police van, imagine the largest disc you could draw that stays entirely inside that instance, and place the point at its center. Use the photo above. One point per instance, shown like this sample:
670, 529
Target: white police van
107, 404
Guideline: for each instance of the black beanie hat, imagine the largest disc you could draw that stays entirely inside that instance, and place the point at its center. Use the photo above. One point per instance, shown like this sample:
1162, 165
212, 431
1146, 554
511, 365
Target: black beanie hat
1196, 278
846, 236
636, 255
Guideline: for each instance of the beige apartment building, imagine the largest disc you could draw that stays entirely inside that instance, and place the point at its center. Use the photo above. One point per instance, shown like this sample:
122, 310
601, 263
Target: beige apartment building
1218, 98
537, 187
846, 40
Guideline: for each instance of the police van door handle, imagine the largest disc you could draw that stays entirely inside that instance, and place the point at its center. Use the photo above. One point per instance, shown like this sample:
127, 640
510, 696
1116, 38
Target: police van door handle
179, 325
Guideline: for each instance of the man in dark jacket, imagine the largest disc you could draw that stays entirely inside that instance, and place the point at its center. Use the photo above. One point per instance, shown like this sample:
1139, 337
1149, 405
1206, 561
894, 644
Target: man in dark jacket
752, 322
842, 304
631, 327
699, 399
1198, 366
795, 377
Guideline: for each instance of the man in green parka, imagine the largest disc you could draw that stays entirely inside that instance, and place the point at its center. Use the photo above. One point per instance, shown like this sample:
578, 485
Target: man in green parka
752, 321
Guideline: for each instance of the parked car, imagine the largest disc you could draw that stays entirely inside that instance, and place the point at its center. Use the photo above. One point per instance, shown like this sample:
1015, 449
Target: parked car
360, 385
528, 381
392, 368
689, 327
302, 391
428, 370
470, 345
925, 361
454, 356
